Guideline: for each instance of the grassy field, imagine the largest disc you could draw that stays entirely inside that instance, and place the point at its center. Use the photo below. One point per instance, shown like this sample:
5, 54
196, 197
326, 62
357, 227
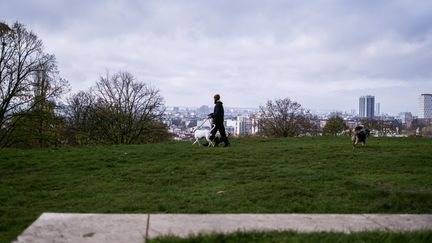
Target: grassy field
296, 175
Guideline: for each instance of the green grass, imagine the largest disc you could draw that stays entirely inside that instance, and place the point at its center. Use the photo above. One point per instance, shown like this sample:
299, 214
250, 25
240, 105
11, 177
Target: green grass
247, 237
296, 175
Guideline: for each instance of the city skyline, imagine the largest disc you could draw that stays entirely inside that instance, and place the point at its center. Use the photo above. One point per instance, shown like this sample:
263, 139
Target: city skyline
320, 54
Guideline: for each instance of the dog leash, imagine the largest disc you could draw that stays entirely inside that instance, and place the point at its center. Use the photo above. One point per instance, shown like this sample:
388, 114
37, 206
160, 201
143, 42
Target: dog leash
202, 125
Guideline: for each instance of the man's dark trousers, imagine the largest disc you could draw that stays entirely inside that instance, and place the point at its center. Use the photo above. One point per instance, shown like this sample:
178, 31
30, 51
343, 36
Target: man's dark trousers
221, 128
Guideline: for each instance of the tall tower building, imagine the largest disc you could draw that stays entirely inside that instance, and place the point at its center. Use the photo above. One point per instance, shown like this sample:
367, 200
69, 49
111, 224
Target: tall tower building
367, 106
378, 109
362, 106
425, 106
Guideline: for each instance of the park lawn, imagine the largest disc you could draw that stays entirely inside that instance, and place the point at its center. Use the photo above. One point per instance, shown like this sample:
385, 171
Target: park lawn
292, 175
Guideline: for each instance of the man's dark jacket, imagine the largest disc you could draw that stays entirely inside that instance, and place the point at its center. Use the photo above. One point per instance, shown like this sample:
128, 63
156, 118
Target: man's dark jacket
218, 113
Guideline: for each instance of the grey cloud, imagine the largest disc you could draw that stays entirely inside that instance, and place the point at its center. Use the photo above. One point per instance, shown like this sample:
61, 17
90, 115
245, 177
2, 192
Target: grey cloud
252, 50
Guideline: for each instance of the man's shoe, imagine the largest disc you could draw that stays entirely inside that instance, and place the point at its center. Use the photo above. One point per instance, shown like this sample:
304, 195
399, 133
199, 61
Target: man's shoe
225, 140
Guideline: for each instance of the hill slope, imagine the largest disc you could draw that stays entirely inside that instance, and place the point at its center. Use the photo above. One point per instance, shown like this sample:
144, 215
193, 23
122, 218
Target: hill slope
305, 175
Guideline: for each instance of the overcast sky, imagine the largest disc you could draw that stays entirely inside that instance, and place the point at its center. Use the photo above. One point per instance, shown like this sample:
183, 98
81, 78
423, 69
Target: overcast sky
323, 54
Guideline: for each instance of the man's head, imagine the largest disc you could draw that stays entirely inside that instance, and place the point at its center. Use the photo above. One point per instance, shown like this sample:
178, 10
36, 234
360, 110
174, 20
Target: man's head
216, 97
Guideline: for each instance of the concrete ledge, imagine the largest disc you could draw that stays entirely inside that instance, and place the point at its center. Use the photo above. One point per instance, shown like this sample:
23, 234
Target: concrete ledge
86, 228
187, 224
59, 227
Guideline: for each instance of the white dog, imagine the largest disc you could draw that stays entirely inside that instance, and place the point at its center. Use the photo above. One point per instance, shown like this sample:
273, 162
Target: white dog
199, 134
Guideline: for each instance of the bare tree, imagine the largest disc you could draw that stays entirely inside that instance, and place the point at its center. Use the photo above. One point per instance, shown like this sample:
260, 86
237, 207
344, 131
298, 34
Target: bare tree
22, 64
119, 110
80, 119
127, 106
285, 118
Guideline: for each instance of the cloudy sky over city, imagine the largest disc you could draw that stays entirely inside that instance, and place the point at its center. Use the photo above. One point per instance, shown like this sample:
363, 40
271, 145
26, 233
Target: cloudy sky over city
323, 54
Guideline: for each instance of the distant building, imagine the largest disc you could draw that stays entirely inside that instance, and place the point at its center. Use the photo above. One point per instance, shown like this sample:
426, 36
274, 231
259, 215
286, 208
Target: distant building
230, 126
405, 117
255, 120
362, 106
244, 125
425, 106
367, 106
378, 109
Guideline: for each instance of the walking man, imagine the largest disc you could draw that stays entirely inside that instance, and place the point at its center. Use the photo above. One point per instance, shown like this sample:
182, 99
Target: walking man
218, 121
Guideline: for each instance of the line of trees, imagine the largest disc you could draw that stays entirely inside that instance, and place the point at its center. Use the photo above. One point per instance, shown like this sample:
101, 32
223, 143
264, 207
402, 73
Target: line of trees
287, 118
117, 109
